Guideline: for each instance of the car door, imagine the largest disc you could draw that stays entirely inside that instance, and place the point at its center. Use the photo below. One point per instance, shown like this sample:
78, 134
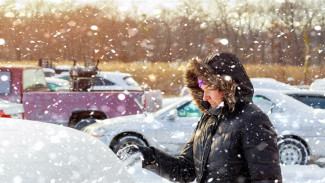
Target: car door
178, 127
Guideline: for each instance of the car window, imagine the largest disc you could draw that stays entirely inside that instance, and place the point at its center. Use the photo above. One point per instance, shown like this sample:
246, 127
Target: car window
33, 78
263, 103
188, 110
130, 81
313, 101
107, 82
5, 82
99, 81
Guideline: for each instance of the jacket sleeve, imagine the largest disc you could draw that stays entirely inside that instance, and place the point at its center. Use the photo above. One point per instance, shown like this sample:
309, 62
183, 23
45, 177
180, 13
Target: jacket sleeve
259, 142
175, 169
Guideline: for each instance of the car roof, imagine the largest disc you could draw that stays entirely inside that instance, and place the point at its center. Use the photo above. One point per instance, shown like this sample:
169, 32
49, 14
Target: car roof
32, 150
116, 73
263, 79
305, 92
48, 70
270, 83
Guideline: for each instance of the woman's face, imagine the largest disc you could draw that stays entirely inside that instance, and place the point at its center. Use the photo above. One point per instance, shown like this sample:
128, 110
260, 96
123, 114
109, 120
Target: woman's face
213, 96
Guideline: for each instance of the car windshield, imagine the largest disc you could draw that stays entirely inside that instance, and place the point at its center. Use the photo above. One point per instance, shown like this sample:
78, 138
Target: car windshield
33, 78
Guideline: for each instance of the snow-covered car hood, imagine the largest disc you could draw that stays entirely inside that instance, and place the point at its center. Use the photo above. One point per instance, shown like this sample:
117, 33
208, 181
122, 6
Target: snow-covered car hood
32, 151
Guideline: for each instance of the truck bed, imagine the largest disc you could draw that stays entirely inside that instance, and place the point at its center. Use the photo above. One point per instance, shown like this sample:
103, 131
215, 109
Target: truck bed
56, 107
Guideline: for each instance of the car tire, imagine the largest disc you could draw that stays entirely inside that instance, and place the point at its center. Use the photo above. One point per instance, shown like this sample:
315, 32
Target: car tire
128, 140
83, 123
292, 151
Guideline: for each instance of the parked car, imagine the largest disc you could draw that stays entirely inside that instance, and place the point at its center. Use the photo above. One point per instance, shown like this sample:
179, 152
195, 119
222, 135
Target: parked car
263, 83
318, 84
169, 128
315, 99
11, 110
62, 69
270, 83
54, 83
110, 81
300, 128
32, 151
48, 72
115, 81
184, 91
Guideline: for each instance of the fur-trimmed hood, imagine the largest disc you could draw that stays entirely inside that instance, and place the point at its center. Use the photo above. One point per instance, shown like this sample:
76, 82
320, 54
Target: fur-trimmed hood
224, 72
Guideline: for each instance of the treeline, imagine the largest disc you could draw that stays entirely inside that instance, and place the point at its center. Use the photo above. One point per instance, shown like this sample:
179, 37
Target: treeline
290, 32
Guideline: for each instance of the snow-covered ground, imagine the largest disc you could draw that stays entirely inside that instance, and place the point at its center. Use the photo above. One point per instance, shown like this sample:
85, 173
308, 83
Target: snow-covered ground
290, 173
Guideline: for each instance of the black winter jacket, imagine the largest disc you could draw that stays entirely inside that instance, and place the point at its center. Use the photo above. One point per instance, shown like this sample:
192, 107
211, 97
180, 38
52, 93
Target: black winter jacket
233, 143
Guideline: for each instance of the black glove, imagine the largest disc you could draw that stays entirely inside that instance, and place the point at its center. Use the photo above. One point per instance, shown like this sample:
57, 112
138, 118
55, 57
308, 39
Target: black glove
146, 152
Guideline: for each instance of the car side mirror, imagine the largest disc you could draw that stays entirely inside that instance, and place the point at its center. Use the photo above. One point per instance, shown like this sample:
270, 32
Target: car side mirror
172, 115
276, 109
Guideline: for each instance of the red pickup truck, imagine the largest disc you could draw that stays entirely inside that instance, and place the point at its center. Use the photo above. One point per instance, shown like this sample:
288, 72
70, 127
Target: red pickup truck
26, 85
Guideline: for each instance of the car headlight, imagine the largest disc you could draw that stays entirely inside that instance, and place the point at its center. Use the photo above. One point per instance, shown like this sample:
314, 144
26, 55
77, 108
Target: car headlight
98, 132
95, 131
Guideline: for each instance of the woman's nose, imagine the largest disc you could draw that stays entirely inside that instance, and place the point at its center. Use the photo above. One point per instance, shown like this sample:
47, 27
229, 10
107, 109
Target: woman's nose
206, 96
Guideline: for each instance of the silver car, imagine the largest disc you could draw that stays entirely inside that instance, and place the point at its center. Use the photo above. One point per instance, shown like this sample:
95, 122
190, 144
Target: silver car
168, 129
300, 128
11, 110
109, 81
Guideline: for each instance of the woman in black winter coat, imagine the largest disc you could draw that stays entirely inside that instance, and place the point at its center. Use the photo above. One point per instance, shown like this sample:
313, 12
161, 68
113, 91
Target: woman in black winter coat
234, 140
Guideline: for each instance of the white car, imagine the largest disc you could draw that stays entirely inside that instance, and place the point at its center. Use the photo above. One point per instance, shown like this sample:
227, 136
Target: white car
110, 81
270, 83
48, 72
11, 110
54, 83
62, 69
318, 84
115, 81
301, 129
32, 151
